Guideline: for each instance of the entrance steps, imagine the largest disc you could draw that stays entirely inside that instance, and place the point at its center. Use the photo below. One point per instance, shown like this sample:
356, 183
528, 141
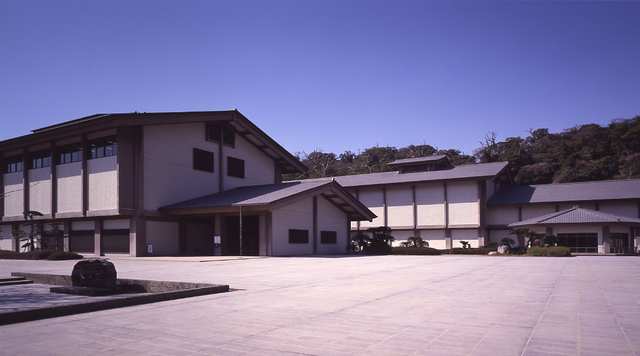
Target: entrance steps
13, 281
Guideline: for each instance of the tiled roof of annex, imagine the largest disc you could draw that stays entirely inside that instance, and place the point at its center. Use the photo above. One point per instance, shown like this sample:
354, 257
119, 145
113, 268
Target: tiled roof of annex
577, 215
470, 171
568, 192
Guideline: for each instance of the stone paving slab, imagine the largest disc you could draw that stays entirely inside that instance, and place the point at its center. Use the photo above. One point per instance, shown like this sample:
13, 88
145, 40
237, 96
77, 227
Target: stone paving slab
358, 305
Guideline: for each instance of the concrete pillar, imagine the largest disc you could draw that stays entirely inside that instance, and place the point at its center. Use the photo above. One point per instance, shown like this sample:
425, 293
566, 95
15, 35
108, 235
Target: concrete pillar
606, 240
97, 237
447, 239
262, 243
138, 236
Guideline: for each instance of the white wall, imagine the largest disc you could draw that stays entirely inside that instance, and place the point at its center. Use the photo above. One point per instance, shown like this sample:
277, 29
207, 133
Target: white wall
401, 236
629, 209
40, 190
103, 183
69, 187
470, 235
331, 218
164, 237
436, 238
400, 206
169, 176
297, 216
373, 199
14, 194
430, 205
502, 215
463, 203
533, 211
258, 168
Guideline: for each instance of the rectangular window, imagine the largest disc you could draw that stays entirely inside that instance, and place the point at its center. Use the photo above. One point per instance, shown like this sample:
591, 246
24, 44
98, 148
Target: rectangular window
218, 132
13, 164
69, 153
103, 147
235, 167
328, 237
298, 236
203, 160
40, 159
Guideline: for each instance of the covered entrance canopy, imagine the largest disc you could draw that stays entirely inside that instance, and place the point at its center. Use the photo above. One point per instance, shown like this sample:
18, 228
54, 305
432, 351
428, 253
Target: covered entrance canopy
585, 230
266, 215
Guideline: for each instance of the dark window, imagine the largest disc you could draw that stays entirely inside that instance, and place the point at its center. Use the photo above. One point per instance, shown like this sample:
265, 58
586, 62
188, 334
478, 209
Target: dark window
579, 242
298, 236
69, 153
218, 132
328, 237
13, 164
115, 241
202, 160
103, 147
40, 159
235, 167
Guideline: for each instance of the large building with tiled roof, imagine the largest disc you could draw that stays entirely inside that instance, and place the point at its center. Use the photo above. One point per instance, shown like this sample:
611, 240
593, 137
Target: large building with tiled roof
169, 184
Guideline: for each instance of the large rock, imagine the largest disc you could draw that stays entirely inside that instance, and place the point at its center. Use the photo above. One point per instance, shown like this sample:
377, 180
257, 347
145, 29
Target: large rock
503, 249
94, 273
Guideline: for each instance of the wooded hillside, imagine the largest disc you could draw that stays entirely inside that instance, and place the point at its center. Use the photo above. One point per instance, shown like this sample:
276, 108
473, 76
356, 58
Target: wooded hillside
582, 153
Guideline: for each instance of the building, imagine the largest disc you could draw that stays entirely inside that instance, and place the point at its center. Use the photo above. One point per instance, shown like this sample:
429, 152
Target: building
444, 205
428, 197
170, 184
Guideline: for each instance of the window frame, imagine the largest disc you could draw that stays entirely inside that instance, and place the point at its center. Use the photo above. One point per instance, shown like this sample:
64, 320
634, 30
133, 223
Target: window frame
201, 160
220, 133
235, 167
102, 147
13, 164
297, 236
40, 159
69, 153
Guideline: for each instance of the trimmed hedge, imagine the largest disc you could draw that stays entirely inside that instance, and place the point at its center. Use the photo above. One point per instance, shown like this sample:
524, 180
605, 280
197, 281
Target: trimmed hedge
552, 251
39, 255
414, 251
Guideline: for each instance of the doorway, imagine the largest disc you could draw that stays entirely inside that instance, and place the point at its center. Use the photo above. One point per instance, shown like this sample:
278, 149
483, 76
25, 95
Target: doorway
250, 235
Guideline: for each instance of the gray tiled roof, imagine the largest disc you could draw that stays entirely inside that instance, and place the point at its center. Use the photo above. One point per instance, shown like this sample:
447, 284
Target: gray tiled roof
417, 160
278, 194
244, 196
470, 171
577, 215
568, 192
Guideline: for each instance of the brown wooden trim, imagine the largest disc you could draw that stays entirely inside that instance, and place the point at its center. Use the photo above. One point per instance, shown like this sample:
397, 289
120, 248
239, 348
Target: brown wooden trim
53, 175
85, 175
385, 209
25, 181
315, 225
415, 206
446, 207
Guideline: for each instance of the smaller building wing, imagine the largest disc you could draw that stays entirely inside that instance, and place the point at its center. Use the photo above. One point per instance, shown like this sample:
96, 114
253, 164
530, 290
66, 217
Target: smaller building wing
576, 215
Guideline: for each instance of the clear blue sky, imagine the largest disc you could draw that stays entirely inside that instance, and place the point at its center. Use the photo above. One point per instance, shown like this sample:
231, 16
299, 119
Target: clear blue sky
334, 75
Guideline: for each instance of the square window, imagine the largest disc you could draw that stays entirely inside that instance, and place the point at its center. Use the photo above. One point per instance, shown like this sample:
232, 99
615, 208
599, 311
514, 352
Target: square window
298, 236
328, 237
235, 167
202, 160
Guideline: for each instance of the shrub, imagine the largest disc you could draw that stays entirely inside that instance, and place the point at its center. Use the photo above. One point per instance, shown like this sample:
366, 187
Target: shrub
553, 251
50, 255
470, 251
414, 251
415, 241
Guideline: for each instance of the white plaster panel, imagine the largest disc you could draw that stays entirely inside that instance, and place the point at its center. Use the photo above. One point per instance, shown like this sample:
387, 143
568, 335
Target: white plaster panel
5, 238
169, 176
533, 211
502, 215
374, 200
103, 183
83, 225
14, 194
435, 238
400, 206
40, 190
620, 229
430, 205
464, 208
164, 237
331, 218
116, 224
629, 209
297, 216
69, 187
258, 167
470, 235
401, 236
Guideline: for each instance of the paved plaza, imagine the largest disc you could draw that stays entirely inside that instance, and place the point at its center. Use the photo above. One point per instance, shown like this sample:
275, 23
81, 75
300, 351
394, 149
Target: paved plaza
358, 305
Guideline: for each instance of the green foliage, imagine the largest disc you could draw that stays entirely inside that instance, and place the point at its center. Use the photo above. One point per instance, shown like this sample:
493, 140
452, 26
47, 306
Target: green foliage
551, 240
469, 251
39, 255
491, 244
414, 251
553, 251
465, 244
415, 241
378, 243
507, 241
